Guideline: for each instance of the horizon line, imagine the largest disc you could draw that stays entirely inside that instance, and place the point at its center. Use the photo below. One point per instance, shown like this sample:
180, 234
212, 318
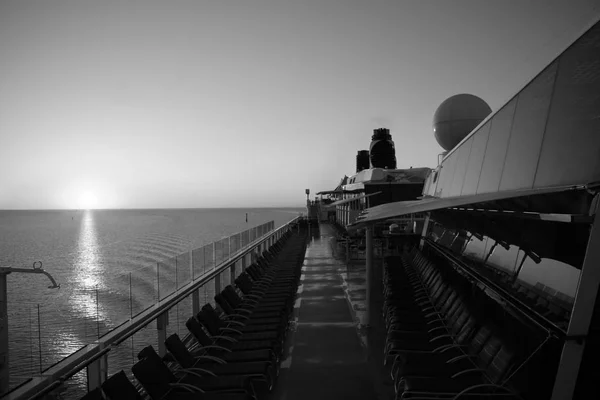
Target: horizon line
145, 208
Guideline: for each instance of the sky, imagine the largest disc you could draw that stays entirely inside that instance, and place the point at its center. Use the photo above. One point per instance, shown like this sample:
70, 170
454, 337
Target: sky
168, 104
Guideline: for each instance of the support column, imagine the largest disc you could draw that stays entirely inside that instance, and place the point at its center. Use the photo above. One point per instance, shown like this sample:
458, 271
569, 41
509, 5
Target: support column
581, 316
97, 372
162, 322
370, 277
424, 233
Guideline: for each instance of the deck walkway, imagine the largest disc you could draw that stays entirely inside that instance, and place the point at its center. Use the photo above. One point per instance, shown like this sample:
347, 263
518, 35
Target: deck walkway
329, 356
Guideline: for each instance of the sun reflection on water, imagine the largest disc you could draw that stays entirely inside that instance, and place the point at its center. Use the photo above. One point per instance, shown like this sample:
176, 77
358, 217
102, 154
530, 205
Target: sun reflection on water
87, 271
88, 259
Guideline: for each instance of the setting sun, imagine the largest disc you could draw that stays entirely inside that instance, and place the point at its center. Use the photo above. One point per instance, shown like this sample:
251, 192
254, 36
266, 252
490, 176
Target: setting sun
88, 200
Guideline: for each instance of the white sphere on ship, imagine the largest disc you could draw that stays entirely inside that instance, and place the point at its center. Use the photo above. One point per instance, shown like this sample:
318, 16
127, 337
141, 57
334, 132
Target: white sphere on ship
456, 117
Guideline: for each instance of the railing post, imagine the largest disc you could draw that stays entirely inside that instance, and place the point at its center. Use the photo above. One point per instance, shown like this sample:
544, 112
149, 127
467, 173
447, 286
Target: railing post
162, 322
97, 371
585, 306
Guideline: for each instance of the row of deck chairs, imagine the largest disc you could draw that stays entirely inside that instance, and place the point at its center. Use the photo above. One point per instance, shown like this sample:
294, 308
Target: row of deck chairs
446, 339
234, 354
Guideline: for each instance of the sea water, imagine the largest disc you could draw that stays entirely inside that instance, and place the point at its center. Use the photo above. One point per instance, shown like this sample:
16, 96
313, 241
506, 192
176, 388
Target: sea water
106, 263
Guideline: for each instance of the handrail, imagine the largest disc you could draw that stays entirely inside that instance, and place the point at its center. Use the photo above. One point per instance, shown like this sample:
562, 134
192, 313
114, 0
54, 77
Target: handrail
518, 305
62, 379
55, 375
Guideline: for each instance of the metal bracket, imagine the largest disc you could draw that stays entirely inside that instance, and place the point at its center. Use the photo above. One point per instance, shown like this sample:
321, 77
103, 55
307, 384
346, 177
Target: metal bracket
35, 270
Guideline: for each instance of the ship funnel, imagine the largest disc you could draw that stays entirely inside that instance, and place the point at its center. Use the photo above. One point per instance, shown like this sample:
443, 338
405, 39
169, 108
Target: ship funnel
382, 151
362, 160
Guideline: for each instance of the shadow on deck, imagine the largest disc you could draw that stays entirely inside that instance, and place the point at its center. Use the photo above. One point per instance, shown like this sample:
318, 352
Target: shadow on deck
329, 353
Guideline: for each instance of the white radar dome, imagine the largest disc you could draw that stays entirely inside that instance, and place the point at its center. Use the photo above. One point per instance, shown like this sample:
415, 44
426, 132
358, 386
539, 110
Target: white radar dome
456, 117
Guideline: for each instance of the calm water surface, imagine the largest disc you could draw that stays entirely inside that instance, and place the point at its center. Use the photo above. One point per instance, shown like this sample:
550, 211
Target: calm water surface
106, 263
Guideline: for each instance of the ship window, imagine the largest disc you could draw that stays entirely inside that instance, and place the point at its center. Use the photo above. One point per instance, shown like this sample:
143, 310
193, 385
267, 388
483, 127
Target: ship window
538, 261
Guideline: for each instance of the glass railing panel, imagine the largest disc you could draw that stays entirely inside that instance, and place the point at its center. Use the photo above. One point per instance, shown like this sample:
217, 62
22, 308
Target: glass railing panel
178, 315
208, 258
64, 328
144, 288
184, 273
121, 357
236, 243
113, 302
245, 238
225, 247
23, 345
238, 268
225, 278
198, 261
216, 253
207, 293
166, 277
73, 388
147, 336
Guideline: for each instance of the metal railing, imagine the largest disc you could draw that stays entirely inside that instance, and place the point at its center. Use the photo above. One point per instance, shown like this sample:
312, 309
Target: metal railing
149, 309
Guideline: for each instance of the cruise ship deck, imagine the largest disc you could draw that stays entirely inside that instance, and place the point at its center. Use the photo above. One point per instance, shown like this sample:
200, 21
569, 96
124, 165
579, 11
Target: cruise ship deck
330, 354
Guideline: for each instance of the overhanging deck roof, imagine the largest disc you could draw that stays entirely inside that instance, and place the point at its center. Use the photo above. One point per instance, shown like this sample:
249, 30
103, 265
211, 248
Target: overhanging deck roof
341, 191
362, 196
390, 210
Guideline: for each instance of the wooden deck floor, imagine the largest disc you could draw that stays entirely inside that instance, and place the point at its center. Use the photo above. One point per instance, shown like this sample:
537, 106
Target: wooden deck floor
329, 354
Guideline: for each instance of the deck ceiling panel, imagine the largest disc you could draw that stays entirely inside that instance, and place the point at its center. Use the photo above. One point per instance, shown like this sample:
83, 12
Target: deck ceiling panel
563, 242
348, 200
390, 210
